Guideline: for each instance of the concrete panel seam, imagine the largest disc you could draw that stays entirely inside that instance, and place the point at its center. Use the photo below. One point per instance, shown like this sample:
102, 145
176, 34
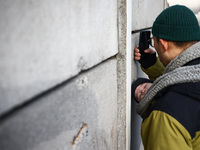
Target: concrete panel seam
28, 102
136, 31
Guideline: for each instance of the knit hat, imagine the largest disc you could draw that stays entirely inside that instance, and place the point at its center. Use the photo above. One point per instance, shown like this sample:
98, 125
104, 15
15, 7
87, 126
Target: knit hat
136, 84
177, 23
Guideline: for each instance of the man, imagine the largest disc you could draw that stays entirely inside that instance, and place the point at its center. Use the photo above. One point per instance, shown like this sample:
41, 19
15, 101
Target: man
171, 107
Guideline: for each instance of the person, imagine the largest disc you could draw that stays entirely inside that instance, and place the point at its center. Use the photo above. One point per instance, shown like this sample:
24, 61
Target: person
139, 88
171, 107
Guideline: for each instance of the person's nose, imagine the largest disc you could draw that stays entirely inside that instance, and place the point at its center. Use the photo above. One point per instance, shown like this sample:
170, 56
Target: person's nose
143, 91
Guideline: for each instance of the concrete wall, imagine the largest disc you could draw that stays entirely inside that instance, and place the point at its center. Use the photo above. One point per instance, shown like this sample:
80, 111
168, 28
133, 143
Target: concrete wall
45, 43
66, 73
80, 114
143, 16
59, 75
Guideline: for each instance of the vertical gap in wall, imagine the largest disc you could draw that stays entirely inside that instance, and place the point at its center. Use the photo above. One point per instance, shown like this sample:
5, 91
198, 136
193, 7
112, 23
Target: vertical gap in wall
165, 4
128, 74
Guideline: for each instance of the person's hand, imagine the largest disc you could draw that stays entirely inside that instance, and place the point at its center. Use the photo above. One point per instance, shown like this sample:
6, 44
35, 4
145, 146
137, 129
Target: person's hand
147, 61
137, 54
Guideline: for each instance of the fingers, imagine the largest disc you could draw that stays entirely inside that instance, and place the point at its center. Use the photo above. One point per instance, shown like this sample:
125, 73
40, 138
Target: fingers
137, 54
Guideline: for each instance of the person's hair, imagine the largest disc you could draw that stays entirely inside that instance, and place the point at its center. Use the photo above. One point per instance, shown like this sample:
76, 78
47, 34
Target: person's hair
181, 44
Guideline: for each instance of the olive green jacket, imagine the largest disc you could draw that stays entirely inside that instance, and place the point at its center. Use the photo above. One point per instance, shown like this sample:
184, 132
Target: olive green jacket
172, 120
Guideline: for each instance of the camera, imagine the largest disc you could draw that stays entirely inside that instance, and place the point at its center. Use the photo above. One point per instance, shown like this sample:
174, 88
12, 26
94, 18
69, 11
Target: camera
144, 43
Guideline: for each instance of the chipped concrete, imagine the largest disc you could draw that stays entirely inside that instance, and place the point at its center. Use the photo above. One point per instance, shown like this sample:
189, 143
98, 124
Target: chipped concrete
54, 120
81, 134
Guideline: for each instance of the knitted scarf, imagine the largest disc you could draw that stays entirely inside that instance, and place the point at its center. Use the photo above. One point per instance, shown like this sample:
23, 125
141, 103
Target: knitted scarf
174, 73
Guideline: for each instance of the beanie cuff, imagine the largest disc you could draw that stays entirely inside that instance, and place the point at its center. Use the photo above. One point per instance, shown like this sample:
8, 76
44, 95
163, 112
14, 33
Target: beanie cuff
174, 33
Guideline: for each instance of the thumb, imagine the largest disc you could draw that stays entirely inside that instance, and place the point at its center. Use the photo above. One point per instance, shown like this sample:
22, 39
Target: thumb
149, 51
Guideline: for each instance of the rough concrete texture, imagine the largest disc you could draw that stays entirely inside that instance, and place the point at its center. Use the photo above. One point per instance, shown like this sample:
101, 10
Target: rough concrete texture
121, 75
43, 43
80, 114
145, 12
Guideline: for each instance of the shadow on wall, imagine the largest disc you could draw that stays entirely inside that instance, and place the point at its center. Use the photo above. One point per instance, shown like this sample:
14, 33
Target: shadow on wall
135, 128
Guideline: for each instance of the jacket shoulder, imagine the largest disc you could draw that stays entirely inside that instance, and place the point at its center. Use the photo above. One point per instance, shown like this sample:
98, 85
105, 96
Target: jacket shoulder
182, 102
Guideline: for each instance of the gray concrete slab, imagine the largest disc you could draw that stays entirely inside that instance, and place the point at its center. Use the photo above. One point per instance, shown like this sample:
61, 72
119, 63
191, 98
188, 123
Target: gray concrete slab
145, 12
43, 43
53, 121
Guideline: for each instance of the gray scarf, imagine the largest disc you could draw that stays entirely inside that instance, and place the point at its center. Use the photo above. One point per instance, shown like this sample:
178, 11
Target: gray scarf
175, 73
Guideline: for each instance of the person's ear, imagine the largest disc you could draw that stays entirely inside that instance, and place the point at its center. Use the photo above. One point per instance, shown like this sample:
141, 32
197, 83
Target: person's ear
165, 44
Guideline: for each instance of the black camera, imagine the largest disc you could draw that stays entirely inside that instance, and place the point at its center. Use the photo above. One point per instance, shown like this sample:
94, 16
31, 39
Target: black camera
144, 43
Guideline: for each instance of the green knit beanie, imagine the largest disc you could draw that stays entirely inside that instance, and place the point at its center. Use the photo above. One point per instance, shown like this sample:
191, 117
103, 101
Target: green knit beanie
177, 23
